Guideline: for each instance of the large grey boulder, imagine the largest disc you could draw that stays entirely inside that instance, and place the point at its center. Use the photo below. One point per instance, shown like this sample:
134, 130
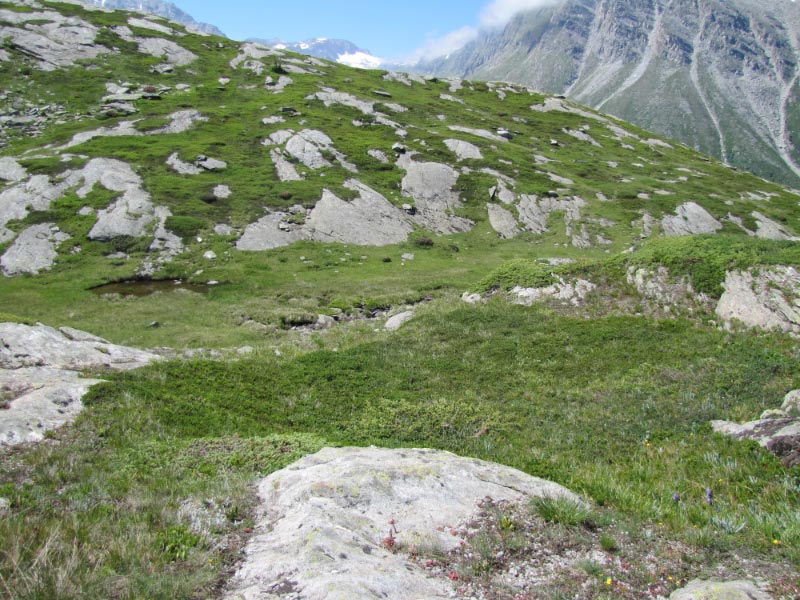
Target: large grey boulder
40, 376
269, 232
171, 52
690, 219
463, 150
431, 186
769, 299
503, 221
368, 220
34, 250
325, 518
719, 590
395, 322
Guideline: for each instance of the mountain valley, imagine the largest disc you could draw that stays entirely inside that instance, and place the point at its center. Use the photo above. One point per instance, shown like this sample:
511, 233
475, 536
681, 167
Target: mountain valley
254, 291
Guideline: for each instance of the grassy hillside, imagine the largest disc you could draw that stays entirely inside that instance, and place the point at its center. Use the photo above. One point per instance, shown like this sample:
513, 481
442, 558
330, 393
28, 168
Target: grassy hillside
609, 398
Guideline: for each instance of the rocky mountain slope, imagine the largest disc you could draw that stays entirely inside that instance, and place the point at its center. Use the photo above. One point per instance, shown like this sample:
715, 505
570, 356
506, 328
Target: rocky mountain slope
318, 256
721, 76
168, 10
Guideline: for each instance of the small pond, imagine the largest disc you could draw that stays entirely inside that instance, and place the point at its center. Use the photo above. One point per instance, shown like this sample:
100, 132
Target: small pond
145, 287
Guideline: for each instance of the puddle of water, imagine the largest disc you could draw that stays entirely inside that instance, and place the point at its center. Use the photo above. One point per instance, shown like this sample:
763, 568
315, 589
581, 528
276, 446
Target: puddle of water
145, 287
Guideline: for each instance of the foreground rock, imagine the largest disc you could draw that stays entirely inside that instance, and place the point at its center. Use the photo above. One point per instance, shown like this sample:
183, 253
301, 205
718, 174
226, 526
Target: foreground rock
40, 382
330, 513
716, 590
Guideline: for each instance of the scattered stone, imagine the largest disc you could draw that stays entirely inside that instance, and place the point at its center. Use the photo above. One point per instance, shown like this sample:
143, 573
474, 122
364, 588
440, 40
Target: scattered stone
250, 55
277, 87
407, 257
767, 300
182, 167
221, 192
5, 506
331, 513
397, 321
273, 120
690, 219
210, 255
210, 164
478, 132
34, 250
223, 229
463, 150
331, 97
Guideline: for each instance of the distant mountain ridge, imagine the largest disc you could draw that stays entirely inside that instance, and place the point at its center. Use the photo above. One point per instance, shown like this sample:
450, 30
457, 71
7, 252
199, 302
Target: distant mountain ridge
162, 9
337, 50
721, 76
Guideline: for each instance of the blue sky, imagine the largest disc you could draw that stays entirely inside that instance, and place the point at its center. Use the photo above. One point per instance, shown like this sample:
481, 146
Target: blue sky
391, 30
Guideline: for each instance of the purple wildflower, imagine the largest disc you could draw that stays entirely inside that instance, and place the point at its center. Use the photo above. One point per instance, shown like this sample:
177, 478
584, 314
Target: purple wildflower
709, 496
676, 497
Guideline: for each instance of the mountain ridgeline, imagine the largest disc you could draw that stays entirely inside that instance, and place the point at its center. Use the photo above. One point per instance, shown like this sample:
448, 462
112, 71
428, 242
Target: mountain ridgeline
719, 75
168, 10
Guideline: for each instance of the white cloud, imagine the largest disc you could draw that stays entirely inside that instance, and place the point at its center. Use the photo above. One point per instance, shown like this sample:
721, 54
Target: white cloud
499, 12
446, 44
494, 14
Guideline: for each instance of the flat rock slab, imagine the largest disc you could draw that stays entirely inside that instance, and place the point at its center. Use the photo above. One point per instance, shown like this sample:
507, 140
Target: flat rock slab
40, 379
325, 517
716, 590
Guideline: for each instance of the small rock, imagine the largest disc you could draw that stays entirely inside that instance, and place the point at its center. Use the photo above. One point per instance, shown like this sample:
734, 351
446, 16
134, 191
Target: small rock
471, 298
325, 321
407, 256
397, 321
5, 506
210, 255
244, 350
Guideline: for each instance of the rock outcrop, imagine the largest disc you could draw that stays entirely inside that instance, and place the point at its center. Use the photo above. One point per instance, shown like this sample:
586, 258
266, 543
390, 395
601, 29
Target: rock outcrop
778, 430
333, 511
34, 250
768, 299
690, 219
40, 376
431, 187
